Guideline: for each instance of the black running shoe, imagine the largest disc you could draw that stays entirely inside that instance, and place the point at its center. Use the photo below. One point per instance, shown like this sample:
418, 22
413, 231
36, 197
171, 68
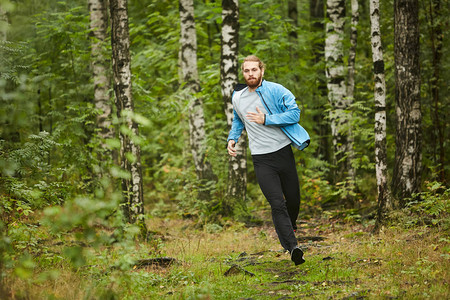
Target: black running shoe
297, 256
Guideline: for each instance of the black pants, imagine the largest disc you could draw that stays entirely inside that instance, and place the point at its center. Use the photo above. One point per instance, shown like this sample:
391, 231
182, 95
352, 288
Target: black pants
278, 180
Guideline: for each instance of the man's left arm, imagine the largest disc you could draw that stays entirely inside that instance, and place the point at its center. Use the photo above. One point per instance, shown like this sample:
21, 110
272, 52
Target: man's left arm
287, 113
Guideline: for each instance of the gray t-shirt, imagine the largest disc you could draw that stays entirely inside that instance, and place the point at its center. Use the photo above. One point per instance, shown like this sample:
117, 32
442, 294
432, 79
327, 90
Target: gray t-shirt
262, 139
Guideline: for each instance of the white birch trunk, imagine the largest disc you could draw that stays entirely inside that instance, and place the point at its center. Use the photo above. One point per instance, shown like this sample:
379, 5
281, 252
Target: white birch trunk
229, 75
335, 72
351, 85
352, 51
380, 111
129, 151
100, 67
189, 71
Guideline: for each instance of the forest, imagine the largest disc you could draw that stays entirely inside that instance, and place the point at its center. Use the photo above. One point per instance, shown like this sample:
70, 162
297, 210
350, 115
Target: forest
115, 178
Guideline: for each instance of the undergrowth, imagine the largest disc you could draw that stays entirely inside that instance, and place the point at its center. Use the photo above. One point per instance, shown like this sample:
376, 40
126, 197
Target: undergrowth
343, 261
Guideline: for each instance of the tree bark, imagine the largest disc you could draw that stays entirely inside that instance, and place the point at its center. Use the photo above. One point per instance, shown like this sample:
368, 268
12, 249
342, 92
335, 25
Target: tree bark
293, 16
335, 72
316, 12
197, 134
100, 65
229, 77
3, 24
436, 36
380, 113
292, 11
352, 50
132, 187
351, 87
408, 154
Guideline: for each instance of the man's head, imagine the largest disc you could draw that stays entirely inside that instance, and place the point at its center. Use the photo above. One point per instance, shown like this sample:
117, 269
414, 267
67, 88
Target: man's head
253, 71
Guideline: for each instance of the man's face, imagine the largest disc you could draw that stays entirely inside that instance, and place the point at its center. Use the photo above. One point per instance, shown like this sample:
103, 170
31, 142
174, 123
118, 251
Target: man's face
252, 74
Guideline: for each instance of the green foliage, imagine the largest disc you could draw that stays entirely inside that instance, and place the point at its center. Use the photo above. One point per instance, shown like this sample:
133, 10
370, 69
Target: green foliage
349, 261
45, 136
315, 188
169, 175
430, 207
52, 161
47, 122
264, 31
434, 73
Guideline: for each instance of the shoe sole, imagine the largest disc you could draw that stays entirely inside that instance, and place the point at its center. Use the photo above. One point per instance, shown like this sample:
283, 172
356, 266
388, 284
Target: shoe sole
297, 256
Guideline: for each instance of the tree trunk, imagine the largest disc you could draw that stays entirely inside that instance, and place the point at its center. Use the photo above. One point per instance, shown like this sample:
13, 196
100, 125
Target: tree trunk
100, 66
132, 186
316, 12
436, 48
293, 16
229, 77
380, 113
351, 83
292, 11
408, 154
197, 134
335, 72
352, 51
3, 25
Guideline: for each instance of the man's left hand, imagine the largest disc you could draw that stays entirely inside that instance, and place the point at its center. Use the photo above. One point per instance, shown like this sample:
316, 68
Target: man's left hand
257, 117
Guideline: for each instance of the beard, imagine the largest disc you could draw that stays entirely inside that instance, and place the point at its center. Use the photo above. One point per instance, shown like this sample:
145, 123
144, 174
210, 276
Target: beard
253, 82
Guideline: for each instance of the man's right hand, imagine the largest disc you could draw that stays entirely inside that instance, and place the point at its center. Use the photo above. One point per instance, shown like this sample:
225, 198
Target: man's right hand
231, 148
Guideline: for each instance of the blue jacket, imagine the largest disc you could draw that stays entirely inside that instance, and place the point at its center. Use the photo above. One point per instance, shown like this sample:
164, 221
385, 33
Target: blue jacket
282, 111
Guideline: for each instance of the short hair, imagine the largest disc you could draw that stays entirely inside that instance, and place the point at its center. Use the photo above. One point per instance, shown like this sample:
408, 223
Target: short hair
262, 66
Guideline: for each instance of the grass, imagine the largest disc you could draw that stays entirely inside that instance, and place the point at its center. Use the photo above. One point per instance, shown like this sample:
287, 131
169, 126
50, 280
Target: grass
347, 262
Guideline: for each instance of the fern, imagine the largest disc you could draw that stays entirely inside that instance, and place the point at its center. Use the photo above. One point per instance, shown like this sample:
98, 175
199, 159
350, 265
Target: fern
433, 204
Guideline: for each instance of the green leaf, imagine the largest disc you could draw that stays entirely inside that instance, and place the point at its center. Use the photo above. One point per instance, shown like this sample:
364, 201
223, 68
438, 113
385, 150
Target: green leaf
113, 143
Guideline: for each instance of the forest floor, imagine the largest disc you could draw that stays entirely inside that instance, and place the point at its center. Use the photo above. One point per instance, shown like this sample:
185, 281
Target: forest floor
186, 261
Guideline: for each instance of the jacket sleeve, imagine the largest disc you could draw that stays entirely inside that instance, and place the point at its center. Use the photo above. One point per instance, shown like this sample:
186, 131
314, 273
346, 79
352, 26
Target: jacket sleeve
236, 128
287, 110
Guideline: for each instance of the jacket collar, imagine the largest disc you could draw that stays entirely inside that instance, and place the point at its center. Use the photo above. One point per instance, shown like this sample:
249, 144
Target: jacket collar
261, 86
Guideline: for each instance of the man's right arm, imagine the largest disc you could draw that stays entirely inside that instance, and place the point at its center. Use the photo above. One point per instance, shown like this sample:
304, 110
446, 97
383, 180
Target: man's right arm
231, 147
236, 128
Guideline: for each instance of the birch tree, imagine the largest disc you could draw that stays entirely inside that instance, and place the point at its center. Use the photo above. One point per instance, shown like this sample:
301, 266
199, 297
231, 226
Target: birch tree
408, 140
335, 73
352, 51
351, 83
380, 111
197, 134
100, 67
130, 156
229, 77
